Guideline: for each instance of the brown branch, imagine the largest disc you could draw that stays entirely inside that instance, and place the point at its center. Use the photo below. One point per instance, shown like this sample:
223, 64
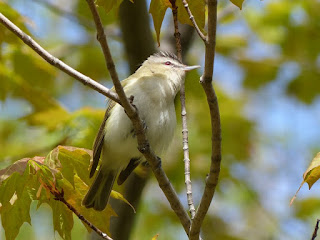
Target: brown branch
56, 62
185, 140
206, 82
59, 196
132, 112
186, 6
139, 45
315, 232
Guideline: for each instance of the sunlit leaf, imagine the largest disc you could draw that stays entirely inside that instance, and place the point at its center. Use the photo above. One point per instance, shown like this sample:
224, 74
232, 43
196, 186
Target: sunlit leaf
158, 9
238, 3
70, 161
311, 175
119, 196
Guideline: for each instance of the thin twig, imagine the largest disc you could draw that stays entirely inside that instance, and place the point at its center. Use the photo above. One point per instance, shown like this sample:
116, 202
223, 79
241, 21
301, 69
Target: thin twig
206, 82
59, 196
132, 112
56, 62
315, 232
185, 140
186, 6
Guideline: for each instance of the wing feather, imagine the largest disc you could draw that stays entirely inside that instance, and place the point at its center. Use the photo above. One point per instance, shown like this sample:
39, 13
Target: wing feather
98, 143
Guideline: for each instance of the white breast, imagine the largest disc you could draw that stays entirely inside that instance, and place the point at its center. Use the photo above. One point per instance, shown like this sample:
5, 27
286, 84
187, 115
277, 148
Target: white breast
155, 102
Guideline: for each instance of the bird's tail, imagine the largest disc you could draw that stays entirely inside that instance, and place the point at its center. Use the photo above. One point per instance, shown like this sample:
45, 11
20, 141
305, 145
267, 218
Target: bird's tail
98, 195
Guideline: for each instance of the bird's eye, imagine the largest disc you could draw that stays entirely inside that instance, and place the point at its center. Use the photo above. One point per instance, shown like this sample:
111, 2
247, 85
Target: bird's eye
167, 63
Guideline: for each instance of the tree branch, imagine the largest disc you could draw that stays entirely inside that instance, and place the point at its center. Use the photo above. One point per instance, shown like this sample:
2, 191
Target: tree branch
59, 196
132, 112
139, 45
185, 140
206, 82
56, 62
186, 6
315, 232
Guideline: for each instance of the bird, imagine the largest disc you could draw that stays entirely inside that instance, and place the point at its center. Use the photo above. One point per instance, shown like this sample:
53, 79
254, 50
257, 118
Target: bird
154, 87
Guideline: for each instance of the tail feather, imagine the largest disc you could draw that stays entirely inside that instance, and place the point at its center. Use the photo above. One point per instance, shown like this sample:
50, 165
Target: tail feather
98, 195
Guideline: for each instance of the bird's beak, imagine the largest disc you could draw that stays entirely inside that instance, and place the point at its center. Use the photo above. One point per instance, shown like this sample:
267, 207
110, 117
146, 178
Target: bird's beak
189, 68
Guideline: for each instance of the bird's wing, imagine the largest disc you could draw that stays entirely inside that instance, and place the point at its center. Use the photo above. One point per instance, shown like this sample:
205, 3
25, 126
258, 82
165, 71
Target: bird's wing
98, 143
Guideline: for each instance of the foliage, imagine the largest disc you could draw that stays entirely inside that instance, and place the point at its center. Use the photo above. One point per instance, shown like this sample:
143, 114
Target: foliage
64, 170
50, 113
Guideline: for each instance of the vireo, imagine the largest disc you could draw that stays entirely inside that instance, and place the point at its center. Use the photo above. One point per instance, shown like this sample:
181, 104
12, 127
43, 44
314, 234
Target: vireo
154, 86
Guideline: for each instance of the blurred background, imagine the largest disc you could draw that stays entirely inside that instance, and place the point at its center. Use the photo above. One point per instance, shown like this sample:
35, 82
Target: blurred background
267, 77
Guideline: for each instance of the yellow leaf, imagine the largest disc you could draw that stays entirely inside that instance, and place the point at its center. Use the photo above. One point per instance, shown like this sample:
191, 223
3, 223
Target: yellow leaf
238, 3
158, 9
119, 196
311, 175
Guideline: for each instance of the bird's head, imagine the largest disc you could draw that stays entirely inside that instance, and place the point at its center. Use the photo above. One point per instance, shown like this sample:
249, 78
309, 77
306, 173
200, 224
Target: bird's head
167, 63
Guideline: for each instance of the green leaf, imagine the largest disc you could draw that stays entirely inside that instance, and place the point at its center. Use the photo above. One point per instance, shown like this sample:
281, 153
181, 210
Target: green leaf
305, 87
108, 5
238, 3
16, 197
51, 118
229, 43
83, 126
197, 8
38, 73
62, 219
158, 9
14, 215
5, 34
16, 84
70, 161
74, 196
259, 72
